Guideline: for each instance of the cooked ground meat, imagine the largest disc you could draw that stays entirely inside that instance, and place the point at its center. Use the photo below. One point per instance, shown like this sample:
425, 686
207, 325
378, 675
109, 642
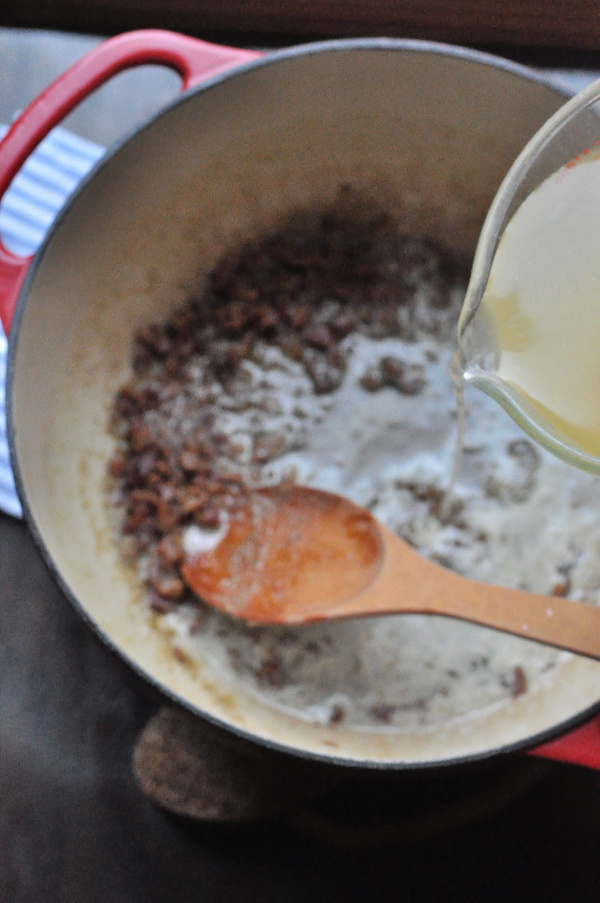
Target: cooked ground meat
303, 290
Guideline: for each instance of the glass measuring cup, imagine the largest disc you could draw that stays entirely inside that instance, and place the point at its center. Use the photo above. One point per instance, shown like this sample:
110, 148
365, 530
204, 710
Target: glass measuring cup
570, 137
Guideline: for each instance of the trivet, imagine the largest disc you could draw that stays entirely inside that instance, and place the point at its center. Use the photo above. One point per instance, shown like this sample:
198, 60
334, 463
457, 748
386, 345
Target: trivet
201, 772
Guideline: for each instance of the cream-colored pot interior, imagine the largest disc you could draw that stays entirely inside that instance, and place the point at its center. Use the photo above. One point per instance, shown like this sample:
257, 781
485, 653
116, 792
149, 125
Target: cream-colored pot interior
434, 127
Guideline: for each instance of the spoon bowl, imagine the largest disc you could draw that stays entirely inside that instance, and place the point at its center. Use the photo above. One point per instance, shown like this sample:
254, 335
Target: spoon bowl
292, 555
289, 554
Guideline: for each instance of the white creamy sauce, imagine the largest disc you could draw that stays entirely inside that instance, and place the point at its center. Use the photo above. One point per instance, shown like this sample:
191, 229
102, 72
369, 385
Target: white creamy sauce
517, 517
197, 540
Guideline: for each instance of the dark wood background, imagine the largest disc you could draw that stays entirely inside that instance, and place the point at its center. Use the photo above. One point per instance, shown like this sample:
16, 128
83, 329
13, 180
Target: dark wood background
495, 23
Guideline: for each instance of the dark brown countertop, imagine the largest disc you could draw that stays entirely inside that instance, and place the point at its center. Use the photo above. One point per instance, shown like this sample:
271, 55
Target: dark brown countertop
74, 827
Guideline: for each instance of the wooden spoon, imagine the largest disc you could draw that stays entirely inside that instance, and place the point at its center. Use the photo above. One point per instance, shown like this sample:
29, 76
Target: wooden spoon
291, 555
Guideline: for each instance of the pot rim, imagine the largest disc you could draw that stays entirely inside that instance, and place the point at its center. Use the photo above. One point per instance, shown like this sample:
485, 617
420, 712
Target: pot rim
149, 681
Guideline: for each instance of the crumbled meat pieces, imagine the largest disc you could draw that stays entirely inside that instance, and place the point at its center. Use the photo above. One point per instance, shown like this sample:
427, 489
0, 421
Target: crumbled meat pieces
302, 290
392, 372
517, 480
515, 681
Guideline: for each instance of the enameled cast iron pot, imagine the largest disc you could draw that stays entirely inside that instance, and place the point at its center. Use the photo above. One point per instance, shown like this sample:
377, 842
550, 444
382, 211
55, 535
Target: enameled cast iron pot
249, 138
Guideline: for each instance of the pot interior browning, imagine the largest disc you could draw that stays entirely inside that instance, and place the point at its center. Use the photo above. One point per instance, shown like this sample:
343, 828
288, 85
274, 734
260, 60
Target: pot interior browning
426, 133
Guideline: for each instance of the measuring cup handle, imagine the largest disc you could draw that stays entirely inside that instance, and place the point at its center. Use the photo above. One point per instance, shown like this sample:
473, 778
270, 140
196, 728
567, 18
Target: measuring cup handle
193, 59
579, 747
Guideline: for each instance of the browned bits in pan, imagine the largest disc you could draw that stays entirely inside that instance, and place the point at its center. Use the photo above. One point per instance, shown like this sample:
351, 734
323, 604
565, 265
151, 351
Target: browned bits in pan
160, 605
408, 378
170, 550
304, 291
383, 712
209, 517
192, 462
168, 586
337, 714
515, 681
270, 671
324, 376
267, 446
318, 336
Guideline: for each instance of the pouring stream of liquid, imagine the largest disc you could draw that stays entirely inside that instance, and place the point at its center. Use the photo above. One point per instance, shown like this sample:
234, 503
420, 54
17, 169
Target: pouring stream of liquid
294, 555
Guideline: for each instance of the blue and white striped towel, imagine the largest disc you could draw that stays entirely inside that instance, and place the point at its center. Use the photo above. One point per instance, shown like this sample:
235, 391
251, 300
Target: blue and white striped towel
27, 210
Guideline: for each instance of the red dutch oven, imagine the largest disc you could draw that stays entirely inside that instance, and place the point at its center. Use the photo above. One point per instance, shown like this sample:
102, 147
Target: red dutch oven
250, 137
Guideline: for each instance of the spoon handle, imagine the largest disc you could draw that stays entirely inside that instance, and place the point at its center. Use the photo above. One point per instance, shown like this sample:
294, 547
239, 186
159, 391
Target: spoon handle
408, 582
573, 626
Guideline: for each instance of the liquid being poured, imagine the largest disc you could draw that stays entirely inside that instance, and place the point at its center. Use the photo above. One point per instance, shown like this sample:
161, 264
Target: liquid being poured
458, 384
535, 338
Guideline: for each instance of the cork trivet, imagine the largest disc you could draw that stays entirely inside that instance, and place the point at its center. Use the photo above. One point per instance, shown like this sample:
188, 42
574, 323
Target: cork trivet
194, 769
197, 770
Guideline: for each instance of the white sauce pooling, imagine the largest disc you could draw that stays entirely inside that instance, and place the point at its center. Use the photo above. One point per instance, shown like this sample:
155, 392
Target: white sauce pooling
516, 516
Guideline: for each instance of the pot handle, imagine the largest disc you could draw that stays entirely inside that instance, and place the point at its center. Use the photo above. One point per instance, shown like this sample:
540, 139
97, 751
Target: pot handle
193, 59
580, 746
